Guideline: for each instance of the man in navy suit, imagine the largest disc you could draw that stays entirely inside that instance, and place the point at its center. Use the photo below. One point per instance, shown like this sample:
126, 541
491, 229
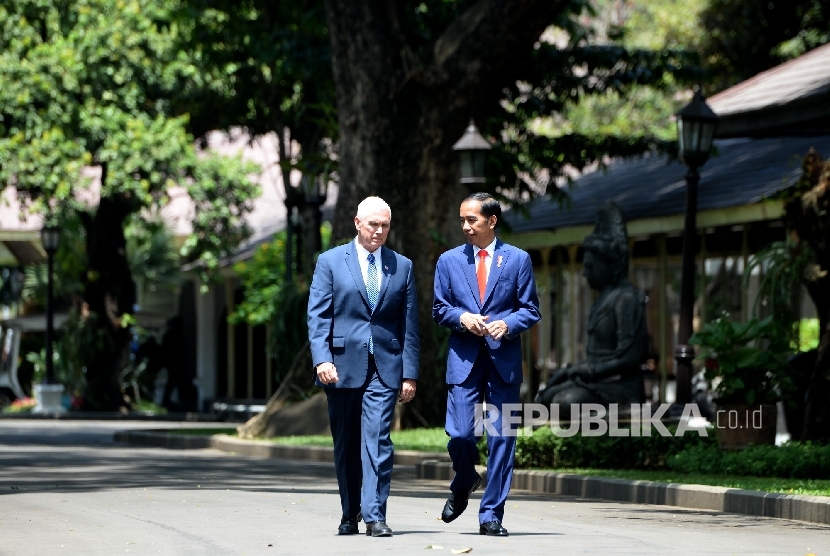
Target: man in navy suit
363, 331
486, 295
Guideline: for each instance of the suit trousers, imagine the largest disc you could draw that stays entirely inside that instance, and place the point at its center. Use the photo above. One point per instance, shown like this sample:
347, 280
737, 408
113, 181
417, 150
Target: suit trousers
361, 422
483, 385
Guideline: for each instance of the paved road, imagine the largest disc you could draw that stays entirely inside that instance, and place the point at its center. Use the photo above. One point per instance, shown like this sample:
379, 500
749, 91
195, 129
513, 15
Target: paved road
67, 488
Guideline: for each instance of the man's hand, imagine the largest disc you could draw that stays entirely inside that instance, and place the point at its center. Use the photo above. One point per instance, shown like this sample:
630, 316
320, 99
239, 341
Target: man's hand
327, 373
476, 324
407, 390
497, 329
582, 371
559, 375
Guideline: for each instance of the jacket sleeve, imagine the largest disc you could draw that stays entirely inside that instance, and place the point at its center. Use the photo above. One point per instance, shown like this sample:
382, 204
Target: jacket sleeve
412, 338
443, 310
320, 312
527, 312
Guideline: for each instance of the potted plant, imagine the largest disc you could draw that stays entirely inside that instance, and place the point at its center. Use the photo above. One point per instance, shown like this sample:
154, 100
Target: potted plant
745, 365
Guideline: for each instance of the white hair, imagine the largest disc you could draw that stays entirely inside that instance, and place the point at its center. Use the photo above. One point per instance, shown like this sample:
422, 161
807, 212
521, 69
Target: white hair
372, 203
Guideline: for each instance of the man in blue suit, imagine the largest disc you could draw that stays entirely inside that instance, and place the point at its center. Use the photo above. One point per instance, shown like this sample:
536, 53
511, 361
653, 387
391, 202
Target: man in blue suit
363, 331
486, 295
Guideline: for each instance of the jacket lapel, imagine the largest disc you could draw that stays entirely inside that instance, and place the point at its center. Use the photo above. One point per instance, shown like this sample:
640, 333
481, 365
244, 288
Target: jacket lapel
470, 271
500, 255
386, 261
354, 267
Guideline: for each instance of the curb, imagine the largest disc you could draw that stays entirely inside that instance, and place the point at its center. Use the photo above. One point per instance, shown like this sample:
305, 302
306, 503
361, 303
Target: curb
436, 466
189, 417
161, 438
814, 509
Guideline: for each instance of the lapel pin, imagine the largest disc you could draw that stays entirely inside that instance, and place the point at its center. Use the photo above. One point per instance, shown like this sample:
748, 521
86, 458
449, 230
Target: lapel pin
498, 262
386, 268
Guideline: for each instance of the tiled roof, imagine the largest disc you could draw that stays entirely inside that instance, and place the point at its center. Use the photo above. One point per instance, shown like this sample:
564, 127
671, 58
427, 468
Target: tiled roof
796, 80
743, 171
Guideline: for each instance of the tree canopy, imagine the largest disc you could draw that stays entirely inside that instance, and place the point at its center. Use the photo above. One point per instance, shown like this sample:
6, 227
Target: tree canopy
88, 84
87, 127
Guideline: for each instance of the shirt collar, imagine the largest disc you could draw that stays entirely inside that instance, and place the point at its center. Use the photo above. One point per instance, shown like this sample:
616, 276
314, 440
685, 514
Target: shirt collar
490, 249
363, 253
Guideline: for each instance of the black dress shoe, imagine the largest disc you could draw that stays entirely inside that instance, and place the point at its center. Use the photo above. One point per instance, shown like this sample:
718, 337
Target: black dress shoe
457, 502
378, 529
348, 527
492, 529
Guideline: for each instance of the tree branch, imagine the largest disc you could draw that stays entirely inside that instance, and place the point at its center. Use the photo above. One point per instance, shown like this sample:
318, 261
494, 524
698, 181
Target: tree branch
482, 45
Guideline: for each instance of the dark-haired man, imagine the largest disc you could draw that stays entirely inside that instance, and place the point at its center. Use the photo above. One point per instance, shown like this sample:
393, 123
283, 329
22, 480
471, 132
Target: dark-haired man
486, 295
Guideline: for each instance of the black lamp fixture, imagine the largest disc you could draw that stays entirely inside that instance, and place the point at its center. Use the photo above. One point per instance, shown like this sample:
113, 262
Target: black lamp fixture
696, 124
472, 153
50, 238
315, 189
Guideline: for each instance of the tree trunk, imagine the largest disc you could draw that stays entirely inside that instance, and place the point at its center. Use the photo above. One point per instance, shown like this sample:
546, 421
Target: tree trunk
109, 292
398, 119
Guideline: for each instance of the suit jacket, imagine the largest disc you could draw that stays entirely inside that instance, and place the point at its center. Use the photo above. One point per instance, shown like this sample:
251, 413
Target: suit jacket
340, 320
510, 296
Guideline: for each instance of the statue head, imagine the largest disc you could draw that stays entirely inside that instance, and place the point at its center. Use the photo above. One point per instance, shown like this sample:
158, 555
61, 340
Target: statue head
607, 248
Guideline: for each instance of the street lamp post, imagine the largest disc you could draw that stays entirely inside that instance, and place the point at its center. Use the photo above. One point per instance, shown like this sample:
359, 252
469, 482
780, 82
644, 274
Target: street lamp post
50, 237
293, 199
49, 392
315, 190
472, 154
696, 124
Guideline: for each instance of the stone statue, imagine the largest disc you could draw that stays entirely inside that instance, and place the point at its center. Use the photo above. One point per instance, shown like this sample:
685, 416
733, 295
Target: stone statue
617, 335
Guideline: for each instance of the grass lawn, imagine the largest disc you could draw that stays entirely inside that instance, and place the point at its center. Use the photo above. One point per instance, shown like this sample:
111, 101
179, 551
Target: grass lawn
813, 487
422, 440
435, 440
203, 432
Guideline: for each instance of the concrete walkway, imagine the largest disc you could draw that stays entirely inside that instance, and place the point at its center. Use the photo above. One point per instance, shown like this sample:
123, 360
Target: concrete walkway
436, 466
66, 487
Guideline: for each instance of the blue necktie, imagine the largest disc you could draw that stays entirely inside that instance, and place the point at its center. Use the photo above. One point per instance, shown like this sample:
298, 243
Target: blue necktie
372, 290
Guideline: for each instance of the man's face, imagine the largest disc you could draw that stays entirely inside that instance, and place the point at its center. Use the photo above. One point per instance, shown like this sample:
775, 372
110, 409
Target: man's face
480, 231
597, 270
373, 228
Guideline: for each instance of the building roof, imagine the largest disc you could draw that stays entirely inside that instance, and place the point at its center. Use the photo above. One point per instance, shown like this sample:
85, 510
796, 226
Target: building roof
743, 172
791, 98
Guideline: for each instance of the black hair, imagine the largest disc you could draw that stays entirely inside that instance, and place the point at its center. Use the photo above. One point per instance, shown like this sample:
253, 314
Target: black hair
489, 205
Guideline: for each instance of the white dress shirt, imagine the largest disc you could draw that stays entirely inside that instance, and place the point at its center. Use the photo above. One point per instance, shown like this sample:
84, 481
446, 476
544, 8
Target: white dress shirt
488, 260
363, 258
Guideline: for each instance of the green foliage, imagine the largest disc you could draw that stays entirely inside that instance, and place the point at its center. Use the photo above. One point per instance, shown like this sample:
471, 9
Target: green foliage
87, 83
425, 440
151, 253
147, 407
746, 37
544, 449
658, 24
745, 362
78, 337
781, 265
791, 459
265, 67
70, 263
262, 278
808, 334
25, 405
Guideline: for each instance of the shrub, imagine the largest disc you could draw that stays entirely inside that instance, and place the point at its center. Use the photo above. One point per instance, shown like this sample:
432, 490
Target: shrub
797, 460
544, 449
